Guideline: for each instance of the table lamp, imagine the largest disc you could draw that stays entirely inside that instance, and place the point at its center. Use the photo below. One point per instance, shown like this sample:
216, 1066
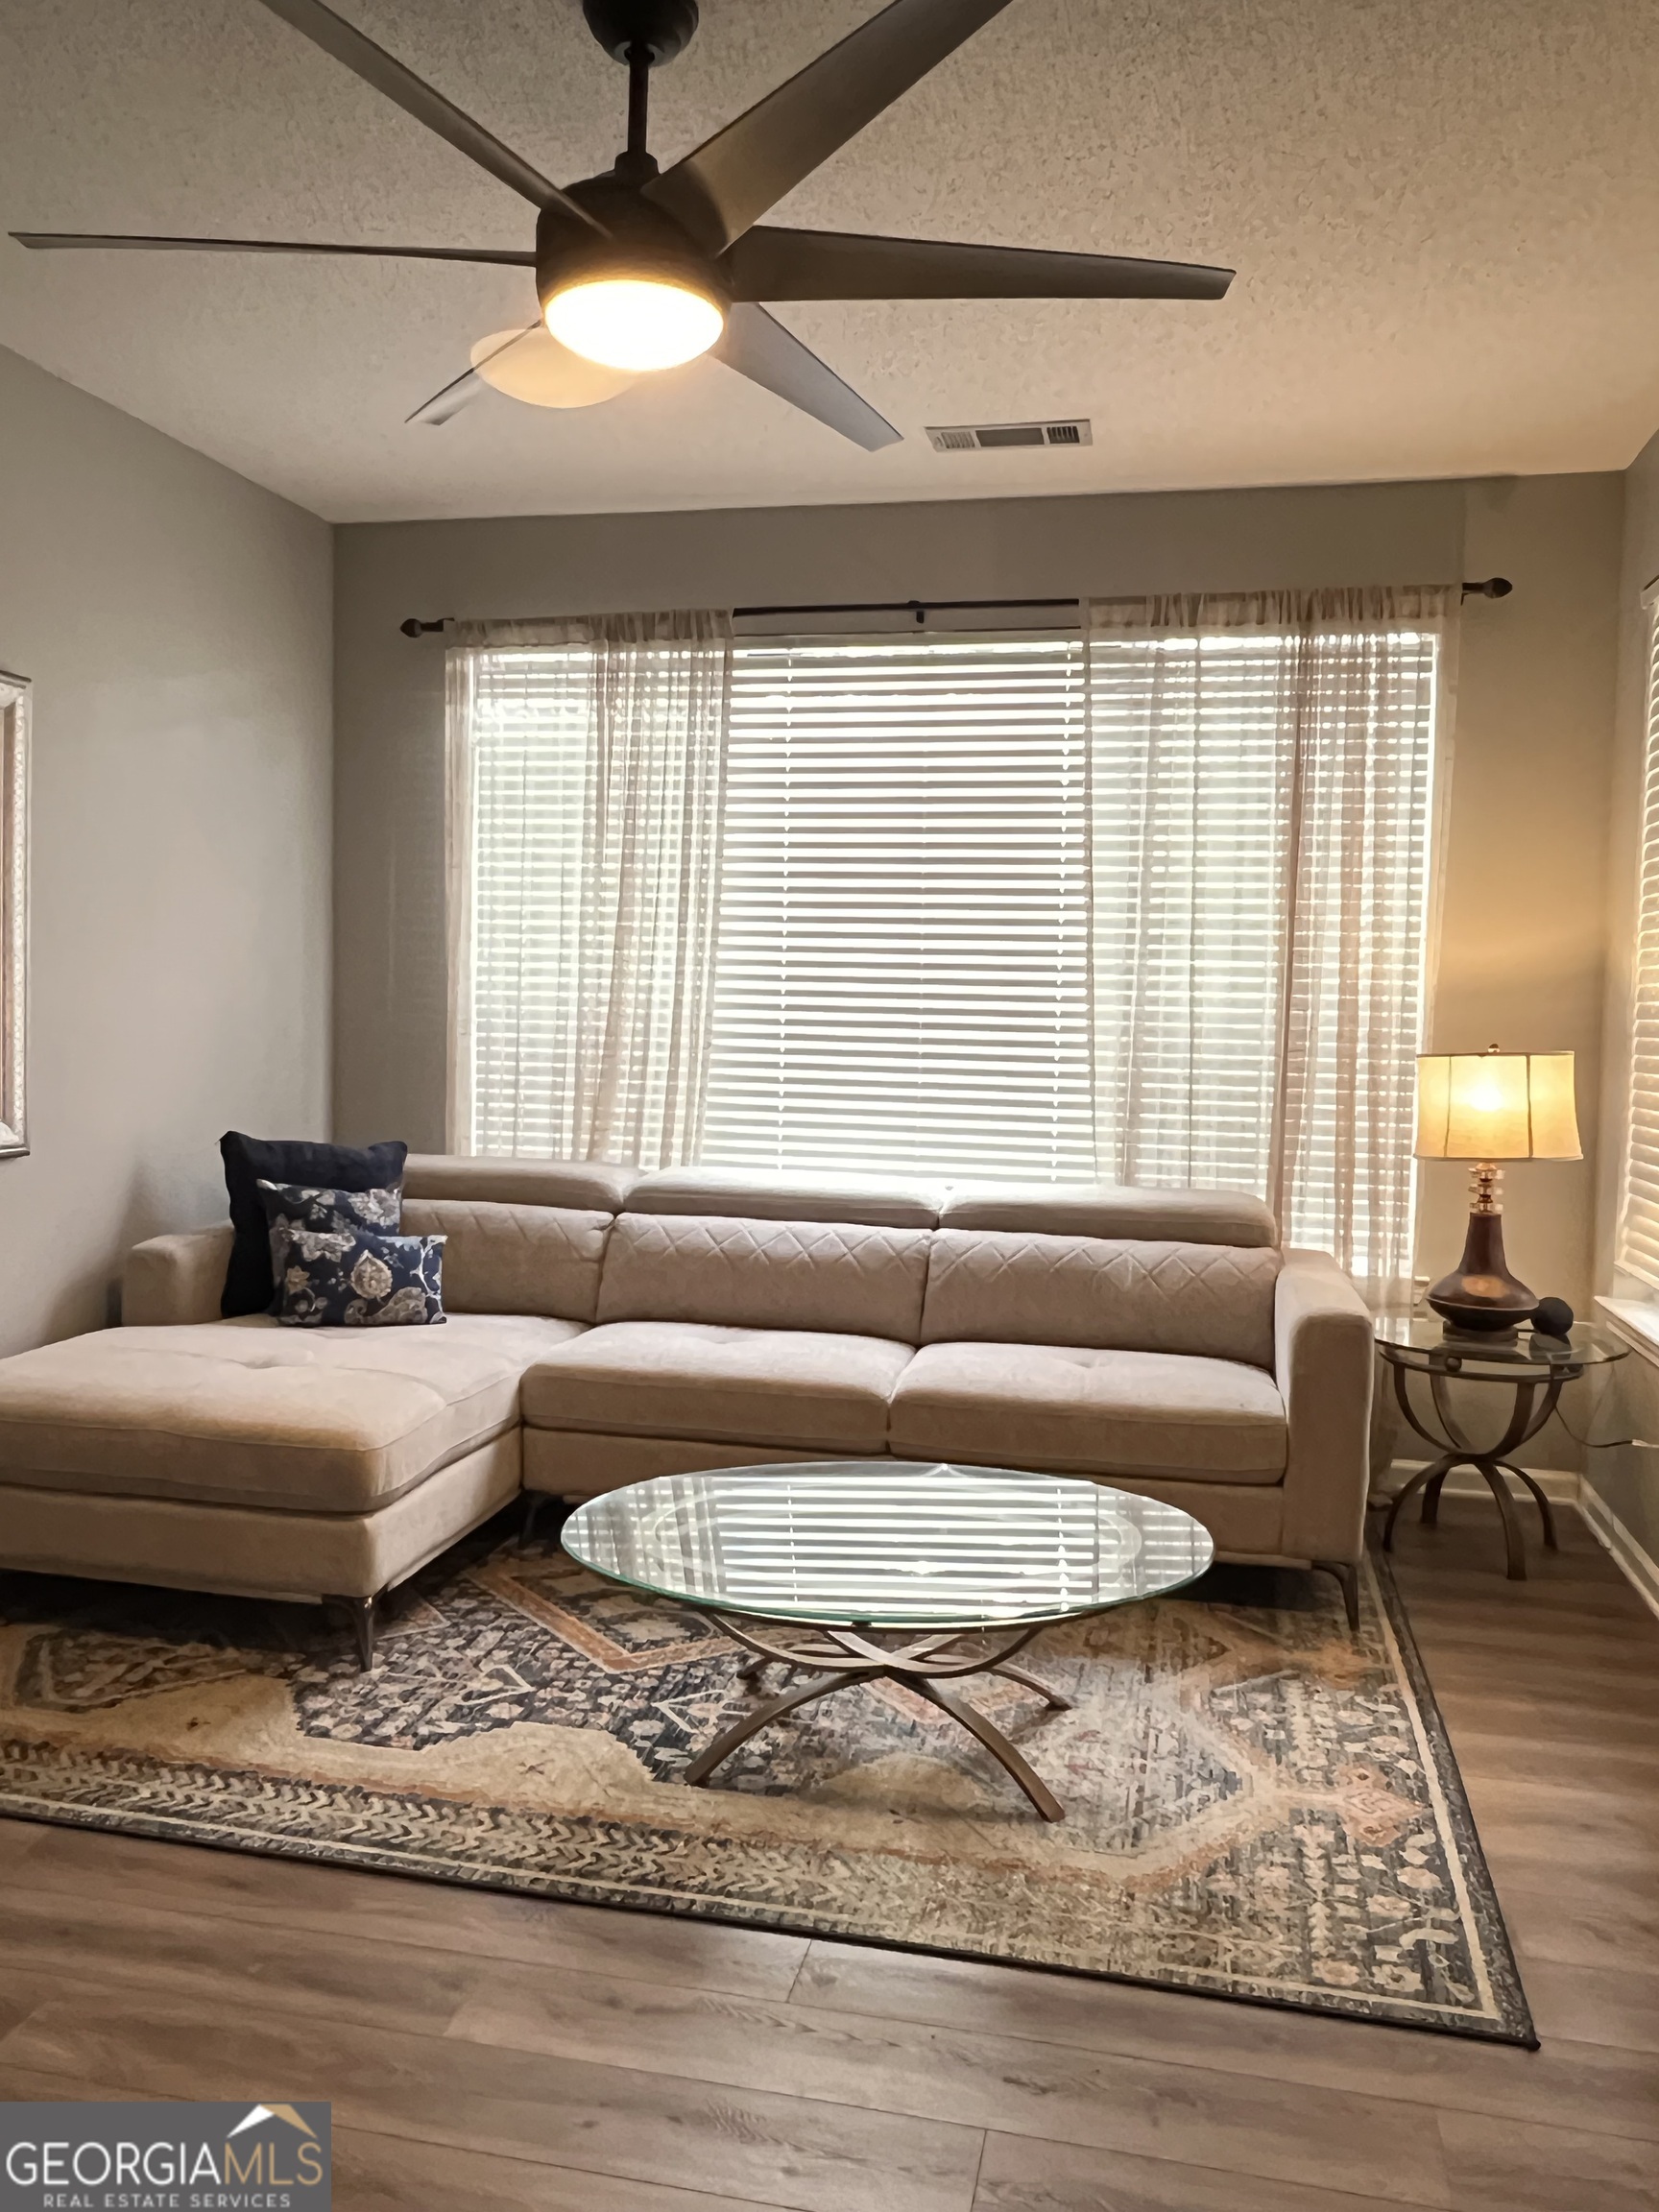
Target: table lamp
1487, 1107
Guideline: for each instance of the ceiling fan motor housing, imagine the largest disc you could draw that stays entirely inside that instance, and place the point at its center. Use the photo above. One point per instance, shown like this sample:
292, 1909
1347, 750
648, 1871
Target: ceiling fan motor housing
645, 243
662, 28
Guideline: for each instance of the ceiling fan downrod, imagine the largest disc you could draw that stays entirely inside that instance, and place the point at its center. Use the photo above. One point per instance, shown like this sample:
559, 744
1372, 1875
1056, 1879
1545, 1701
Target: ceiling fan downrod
642, 35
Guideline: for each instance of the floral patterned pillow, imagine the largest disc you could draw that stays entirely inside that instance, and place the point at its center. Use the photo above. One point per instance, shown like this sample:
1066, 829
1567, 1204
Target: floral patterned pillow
373, 1283
320, 1223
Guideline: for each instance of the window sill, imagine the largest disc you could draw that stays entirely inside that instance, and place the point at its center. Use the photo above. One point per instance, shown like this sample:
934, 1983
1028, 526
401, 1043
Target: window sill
1637, 1321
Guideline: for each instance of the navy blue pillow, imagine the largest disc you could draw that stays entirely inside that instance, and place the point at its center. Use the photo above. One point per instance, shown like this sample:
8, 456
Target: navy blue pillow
249, 1285
359, 1280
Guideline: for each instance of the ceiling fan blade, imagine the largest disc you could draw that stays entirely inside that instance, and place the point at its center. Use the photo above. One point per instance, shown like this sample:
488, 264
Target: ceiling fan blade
435, 412
46, 241
416, 98
757, 347
730, 179
768, 264
468, 386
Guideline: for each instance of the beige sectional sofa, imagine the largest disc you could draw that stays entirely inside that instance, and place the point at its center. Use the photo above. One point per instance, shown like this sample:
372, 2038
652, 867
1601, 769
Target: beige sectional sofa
607, 1326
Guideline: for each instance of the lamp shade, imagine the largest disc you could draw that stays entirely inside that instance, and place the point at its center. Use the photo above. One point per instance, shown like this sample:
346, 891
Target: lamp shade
1496, 1106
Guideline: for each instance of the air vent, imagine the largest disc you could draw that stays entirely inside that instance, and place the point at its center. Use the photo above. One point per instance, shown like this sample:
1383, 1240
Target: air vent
992, 437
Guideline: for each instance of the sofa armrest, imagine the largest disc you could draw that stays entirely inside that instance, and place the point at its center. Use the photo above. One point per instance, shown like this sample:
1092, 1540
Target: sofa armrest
1325, 1360
176, 1278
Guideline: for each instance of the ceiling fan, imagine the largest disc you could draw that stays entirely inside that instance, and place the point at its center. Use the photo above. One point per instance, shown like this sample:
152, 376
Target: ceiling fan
640, 269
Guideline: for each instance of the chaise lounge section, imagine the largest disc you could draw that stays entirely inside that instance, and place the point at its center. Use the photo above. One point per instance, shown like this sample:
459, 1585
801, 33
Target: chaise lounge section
605, 1327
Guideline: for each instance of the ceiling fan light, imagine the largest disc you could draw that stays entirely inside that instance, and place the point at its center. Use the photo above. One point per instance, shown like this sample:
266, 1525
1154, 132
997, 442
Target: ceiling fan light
634, 323
532, 366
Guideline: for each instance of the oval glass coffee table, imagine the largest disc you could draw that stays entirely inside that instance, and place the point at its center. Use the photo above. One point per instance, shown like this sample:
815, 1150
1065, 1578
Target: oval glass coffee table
858, 1570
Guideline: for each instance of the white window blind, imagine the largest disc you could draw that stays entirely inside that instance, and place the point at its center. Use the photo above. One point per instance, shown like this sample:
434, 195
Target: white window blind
519, 785
902, 976
1639, 1228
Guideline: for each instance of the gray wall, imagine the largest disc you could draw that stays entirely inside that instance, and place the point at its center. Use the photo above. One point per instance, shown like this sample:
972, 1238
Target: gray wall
1522, 936
1521, 956
176, 621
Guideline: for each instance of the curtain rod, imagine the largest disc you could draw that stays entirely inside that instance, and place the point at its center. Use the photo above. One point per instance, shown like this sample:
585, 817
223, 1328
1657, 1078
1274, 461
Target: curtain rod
1490, 588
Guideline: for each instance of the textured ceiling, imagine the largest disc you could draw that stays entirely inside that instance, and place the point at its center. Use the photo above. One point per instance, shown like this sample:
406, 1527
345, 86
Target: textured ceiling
1445, 220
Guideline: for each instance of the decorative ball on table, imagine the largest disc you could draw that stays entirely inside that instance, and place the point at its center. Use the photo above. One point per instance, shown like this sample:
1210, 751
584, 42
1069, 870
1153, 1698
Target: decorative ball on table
1553, 1318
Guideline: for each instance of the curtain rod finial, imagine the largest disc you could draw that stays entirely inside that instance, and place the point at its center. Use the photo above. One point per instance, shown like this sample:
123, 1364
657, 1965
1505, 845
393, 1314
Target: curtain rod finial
1491, 587
415, 628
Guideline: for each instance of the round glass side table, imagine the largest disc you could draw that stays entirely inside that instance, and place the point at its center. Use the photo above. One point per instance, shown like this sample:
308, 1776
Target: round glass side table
1536, 1368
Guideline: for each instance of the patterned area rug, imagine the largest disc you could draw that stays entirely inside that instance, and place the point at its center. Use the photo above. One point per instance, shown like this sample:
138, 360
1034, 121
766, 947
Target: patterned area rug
1258, 1805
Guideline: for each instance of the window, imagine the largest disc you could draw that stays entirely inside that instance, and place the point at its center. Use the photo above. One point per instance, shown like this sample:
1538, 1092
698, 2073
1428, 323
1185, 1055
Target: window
1639, 1228
1144, 901
902, 976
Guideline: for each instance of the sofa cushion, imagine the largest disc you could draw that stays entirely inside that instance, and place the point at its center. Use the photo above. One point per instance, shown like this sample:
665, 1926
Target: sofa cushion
834, 1276
248, 1413
762, 1194
1215, 1301
792, 1386
588, 1186
504, 1258
1111, 1210
1077, 1409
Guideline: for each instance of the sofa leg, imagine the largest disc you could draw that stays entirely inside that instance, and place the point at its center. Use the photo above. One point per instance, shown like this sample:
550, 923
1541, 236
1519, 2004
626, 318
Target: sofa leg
534, 1500
1349, 1577
361, 1612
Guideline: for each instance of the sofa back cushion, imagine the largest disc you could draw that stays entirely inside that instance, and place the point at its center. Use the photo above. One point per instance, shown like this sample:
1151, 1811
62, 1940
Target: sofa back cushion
1214, 1301
843, 1278
1111, 1211
779, 1195
513, 1258
587, 1186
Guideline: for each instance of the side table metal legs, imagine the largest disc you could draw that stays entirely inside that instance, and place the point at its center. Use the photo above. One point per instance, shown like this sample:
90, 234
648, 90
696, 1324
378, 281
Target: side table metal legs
922, 1665
1490, 1461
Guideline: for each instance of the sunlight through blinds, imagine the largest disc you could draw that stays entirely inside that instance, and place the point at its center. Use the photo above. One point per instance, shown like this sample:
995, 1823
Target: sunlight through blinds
902, 977
523, 776
1639, 1230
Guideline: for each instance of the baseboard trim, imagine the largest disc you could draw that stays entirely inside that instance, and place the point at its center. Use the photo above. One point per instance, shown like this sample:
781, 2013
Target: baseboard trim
1562, 1486
1640, 1571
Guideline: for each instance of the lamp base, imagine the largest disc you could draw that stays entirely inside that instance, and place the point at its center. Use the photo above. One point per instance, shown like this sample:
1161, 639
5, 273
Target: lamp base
1480, 1295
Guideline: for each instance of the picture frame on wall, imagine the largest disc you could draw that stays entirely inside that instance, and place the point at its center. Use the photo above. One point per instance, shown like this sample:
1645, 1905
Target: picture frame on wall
15, 699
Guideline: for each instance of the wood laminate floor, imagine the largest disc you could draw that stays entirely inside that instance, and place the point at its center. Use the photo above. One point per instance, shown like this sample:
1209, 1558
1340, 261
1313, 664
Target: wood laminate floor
488, 2053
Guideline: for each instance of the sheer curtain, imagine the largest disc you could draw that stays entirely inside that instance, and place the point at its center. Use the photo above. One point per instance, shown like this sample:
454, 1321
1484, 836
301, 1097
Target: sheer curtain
586, 803
1260, 782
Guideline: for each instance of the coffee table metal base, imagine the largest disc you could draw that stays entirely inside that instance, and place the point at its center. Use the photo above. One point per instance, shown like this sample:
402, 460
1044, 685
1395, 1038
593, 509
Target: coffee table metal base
842, 1656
